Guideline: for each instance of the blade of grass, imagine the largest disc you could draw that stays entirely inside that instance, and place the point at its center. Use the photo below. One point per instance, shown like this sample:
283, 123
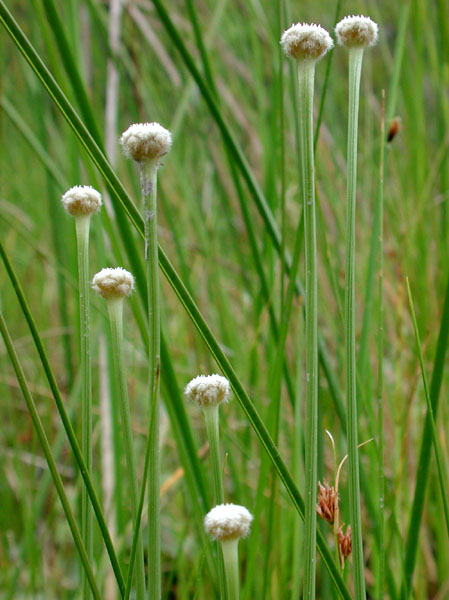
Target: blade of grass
64, 417
422, 473
430, 413
48, 456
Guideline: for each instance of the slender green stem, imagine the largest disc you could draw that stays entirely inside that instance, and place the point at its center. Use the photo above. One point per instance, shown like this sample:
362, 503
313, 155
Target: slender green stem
213, 435
82, 241
115, 309
380, 374
148, 176
231, 565
436, 443
211, 414
49, 457
355, 67
306, 75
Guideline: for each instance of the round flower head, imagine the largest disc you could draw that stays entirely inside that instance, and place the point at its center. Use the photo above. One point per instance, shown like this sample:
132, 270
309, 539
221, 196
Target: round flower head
81, 201
356, 32
113, 284
146, 141
208, 390
228, 522
306, 42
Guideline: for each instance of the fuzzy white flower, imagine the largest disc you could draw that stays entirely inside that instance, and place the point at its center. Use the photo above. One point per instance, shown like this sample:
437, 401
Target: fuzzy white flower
208, 390
356, 32
305, 41
113, 284
81, 201
146, 141
228, 522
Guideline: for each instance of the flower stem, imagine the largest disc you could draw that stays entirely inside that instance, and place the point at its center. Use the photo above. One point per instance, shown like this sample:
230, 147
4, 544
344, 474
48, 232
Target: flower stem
148, 178
213, 435
115, 309
306, 74
231, 564
82, 242
355, 67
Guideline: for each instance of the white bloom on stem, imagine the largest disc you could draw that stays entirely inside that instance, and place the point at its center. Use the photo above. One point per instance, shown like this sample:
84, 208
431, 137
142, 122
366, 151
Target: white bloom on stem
356, 32
113, 284
305, 41
81, 201
228, 522
208, 390
146, 141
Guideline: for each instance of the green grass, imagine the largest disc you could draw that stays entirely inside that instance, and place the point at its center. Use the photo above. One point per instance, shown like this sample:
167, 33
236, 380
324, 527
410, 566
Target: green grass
232, 299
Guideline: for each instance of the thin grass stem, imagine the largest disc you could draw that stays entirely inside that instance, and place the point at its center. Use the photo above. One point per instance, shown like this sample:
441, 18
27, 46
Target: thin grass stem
355, 67
115, 310
380, 377
441, 467
306, 75
231, 564
82, 241
49, 458
149, 194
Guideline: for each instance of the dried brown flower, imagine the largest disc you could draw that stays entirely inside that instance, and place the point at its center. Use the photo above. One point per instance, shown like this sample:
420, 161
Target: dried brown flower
327, 502
345, 542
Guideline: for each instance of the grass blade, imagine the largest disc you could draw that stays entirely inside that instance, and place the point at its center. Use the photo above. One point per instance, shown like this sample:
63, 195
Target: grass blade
49, 457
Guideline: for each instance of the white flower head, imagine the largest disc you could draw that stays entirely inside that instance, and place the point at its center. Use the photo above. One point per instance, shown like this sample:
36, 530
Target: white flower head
81, 201
356, 32
146, 141
208, 390
113, 284
305, 41
228, 522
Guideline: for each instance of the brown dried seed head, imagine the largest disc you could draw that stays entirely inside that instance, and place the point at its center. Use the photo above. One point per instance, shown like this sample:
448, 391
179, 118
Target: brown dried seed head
345, 541
327, 502
393, 130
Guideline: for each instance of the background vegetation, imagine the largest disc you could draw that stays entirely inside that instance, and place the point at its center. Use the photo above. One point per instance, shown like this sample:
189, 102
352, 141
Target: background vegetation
212, 230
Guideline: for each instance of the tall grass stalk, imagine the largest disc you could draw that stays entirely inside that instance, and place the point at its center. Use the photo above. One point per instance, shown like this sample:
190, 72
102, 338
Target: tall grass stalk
306, 73
82, 240
87, 568
307, 44
230, 552
149, 194
115, 310
355, 67
380, 373
441, 467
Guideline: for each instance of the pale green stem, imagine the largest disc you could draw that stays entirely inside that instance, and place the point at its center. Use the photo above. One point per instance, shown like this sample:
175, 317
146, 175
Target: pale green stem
306, 74
115, 309
355, 67
148, 180
82, 242
231, 565
211, 414
213, 435
380, 376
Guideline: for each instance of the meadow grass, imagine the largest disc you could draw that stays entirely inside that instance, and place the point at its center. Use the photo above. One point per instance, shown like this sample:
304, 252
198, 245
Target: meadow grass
231, 238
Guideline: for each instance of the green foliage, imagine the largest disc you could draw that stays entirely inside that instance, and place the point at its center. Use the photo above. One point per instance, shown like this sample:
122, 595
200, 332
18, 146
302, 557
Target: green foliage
229, 213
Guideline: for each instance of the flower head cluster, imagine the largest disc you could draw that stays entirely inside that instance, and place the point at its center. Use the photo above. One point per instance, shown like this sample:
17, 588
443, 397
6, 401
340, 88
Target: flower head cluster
146, 141
356, 32
113, 284
345, 542
208, 390
327, 502
81, 201
228, 522
306, 42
